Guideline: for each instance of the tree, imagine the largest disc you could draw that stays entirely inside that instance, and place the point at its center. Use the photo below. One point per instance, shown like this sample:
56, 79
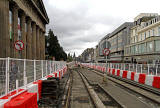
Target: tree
53, 47
69, 58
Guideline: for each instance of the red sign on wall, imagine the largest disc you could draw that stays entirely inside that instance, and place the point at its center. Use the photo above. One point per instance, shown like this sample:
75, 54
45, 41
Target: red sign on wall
106, 52
19, 45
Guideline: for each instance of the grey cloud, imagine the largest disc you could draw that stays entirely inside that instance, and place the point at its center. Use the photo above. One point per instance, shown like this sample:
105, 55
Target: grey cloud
70, 26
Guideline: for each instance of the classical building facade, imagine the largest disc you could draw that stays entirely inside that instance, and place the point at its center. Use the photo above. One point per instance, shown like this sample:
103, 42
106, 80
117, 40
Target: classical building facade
23, 20
145, 39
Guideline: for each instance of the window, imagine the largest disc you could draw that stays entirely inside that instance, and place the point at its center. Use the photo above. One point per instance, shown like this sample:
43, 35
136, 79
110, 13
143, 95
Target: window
153, 32
144, 35
136, 49
149, 34
126, 50
139, 48
131, 40
132, 49
158, 31
149, 47
134, 39
141, 37
19, 29
157, 44
143, 48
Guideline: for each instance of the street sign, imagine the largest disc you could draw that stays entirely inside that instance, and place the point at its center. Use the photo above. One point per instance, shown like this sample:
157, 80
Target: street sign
19, 45
106, 52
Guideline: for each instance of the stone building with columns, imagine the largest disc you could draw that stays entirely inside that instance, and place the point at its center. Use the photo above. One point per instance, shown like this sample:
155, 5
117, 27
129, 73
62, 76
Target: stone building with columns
23, 20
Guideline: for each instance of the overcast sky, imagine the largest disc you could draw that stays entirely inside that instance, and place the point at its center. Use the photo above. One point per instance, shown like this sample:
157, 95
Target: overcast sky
80, 24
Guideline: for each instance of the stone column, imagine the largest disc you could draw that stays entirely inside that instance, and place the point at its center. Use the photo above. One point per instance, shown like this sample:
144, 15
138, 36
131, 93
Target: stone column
43, 45
15, 29
34, 40
40, 41
28, 43
37, 44
23, 20
4, 29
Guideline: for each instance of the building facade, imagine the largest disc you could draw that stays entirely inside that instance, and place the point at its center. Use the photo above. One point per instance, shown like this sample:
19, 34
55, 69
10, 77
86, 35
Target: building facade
23, 20
118, 39
101, 46
145, 39
88, 55
95, 56
115, 42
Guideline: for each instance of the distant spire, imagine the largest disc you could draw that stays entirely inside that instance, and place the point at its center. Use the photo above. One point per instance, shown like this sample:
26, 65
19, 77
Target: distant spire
74, 55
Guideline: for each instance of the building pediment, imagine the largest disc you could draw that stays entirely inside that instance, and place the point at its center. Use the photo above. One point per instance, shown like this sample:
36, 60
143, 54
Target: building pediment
39, 4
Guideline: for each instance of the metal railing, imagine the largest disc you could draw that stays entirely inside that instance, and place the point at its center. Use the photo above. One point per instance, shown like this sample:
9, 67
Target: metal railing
20, 72
149, 69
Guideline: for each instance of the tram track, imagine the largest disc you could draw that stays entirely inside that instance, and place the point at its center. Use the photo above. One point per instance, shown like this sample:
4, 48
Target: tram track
78, 94
106, 99
87, 95
146, 96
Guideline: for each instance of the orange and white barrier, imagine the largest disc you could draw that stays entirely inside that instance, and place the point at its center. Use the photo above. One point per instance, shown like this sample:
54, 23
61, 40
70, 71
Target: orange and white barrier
141, 78
129, 75
33, 88
149, 80
2, 102
29, 95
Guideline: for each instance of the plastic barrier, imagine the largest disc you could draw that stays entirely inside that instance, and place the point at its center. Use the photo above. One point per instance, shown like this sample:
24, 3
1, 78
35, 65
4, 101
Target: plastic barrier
129, 75
39, 82
118, 72
149, 80
142, 78
11, 94
55, 75
156, 82
2, 102
113, 71
28, 96
109, 70
124, 75
136, 77
132, 75
49, 76
33, 88
121, 73
24, 100
59, 74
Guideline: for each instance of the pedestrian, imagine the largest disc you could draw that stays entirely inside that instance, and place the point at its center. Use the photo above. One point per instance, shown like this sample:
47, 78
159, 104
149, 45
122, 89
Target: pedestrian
135, 62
